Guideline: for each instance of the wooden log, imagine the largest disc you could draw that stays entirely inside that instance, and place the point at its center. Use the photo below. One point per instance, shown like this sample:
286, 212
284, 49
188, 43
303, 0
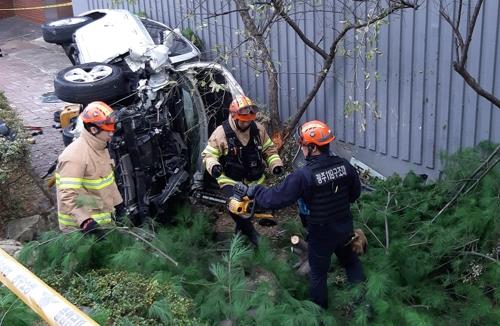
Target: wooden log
301, 249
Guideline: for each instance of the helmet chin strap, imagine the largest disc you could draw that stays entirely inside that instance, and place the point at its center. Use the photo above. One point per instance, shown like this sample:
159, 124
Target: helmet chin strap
239, 128
310, 149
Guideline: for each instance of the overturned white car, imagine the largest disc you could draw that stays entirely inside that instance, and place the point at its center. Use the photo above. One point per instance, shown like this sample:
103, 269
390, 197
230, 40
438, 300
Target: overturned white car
167, 102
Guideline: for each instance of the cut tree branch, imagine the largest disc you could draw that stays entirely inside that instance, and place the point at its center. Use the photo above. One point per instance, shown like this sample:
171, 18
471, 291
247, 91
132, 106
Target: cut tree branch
480, 255
465, 184
389, 198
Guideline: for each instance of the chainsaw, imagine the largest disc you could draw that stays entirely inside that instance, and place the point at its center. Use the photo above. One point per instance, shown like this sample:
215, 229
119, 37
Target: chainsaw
239, 204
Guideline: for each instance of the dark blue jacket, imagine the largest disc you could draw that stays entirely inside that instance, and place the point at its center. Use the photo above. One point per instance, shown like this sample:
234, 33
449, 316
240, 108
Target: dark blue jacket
301, 185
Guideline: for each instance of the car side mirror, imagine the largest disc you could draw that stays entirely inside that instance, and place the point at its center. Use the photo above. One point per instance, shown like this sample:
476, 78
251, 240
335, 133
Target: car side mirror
168, 38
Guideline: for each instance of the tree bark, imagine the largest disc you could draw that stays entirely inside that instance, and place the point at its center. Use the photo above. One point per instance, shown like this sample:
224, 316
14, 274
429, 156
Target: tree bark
272, 73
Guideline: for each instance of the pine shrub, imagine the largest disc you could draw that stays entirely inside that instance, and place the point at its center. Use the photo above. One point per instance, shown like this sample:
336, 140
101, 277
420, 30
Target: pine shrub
418, 273
13, 311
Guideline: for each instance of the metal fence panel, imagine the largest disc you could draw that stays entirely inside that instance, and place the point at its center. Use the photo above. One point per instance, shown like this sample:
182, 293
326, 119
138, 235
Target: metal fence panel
417, 109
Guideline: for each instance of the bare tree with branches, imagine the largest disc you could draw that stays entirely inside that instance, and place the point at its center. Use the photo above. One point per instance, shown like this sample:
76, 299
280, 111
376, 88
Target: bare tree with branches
259, 17
462, 46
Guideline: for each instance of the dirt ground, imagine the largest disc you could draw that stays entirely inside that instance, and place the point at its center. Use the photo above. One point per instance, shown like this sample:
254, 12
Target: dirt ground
224, 224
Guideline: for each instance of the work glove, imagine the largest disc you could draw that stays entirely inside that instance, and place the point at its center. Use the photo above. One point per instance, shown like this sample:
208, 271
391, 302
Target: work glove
278, 170
89, 226
359, 243
216, 171
120, 212
240, 190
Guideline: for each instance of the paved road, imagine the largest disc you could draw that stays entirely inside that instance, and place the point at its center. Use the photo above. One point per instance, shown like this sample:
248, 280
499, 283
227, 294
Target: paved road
27, 69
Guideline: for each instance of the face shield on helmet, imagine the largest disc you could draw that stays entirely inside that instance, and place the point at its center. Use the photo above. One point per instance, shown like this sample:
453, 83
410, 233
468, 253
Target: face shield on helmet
242, 108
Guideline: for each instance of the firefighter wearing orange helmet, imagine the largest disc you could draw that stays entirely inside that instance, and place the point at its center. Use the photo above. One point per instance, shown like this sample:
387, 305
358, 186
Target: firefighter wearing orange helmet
324, 189
86, 190
240, 150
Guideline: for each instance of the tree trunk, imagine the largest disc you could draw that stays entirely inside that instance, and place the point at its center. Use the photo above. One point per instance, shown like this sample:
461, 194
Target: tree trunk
272, 74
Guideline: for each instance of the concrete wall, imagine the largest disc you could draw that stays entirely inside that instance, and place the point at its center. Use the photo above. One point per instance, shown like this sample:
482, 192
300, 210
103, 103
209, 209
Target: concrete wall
419, 107
6, 4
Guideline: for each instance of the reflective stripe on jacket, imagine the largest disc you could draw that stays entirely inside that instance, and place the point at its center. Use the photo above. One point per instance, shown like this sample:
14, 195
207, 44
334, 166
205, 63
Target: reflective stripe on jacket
85, 183
217, 146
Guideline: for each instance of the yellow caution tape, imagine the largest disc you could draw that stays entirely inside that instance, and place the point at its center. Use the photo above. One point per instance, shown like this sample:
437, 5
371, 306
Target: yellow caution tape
66, 4
42, 299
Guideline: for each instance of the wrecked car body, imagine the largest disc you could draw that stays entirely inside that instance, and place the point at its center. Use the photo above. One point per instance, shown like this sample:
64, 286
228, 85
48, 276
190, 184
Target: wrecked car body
167, 103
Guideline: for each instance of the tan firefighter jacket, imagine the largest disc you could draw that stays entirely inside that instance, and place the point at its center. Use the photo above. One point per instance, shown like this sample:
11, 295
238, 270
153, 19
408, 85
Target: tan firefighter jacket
217, 146
85, 183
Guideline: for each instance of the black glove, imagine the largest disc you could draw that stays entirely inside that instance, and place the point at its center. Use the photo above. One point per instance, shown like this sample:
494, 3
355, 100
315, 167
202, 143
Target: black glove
278, 170
216, 171
120, 212
90, 226
240, 190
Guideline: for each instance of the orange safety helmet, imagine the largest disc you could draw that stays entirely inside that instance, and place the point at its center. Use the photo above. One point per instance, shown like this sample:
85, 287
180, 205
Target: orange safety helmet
242, 108
99, 114
315, 132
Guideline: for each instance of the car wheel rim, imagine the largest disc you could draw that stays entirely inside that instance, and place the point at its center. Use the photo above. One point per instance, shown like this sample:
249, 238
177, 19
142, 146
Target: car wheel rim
80, 75
68, 21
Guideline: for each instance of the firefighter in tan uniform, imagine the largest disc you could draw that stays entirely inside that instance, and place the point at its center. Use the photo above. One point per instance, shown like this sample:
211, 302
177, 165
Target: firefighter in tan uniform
86, 188
239, 150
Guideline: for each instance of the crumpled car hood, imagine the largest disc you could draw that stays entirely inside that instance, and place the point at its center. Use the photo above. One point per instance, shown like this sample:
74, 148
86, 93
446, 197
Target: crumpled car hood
111, 36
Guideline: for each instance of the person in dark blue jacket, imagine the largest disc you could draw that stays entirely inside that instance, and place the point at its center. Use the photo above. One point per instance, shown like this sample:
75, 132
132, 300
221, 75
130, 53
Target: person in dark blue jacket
324, 188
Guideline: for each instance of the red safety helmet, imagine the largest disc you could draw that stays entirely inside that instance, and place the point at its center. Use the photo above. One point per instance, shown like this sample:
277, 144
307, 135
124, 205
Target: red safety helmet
315, 132
99, 114
242, 108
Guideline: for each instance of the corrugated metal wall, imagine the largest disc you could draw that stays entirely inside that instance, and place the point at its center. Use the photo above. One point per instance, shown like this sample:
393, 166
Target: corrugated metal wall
424, 108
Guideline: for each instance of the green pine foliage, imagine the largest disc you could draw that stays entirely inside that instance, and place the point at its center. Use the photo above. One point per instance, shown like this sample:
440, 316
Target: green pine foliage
125, 297
433, 273
13, 311
418, 273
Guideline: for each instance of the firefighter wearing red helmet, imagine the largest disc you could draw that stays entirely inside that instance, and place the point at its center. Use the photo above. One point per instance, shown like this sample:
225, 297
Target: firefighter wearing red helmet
324, 189
240, 150
86, 190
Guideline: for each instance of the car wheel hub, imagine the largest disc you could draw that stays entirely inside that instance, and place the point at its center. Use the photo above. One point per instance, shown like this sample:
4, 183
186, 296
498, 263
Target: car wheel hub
79, 75
68, 21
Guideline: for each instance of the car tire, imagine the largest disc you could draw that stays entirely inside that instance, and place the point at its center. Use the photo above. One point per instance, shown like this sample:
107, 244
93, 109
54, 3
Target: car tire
61, 31
90, 82
68, 134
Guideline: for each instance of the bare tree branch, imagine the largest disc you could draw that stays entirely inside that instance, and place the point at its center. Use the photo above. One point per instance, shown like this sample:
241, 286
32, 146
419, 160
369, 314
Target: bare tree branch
456, 32
217, 14
471, 81
278, 6
400, 5
461, 62
459, 17
269, 22
470, 31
